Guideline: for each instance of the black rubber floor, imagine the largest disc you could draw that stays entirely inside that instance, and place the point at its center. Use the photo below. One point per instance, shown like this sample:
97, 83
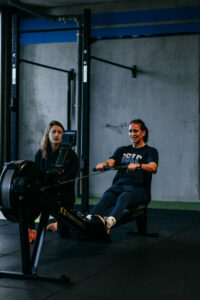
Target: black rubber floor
130, 267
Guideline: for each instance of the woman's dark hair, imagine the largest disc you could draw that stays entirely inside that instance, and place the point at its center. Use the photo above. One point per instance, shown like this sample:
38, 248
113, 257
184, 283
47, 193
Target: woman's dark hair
45, 143
142, 127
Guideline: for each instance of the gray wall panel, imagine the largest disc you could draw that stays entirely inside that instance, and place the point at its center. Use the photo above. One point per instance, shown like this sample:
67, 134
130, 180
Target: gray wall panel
165, 95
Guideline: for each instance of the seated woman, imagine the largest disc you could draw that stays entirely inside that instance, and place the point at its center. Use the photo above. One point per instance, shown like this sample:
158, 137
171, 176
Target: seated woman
130, 188
46, 157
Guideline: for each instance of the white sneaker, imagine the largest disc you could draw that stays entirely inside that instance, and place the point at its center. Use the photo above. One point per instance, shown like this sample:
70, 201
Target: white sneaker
89, 217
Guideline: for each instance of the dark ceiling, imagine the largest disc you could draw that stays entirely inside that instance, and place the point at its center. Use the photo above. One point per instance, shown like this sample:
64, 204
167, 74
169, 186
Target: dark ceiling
53, 3
44, 8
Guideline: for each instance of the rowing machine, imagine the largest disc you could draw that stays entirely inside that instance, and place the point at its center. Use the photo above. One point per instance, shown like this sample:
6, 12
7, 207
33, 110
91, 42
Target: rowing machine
22, 199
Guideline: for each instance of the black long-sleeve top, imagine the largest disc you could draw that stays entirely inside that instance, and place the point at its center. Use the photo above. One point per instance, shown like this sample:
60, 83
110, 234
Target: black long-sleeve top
70, 169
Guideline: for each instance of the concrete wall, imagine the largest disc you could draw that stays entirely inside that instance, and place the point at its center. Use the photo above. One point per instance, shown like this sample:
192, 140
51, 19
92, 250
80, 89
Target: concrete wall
43, 92
165, 95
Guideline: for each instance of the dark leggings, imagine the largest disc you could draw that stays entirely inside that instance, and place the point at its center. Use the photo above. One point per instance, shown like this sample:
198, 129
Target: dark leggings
119, 197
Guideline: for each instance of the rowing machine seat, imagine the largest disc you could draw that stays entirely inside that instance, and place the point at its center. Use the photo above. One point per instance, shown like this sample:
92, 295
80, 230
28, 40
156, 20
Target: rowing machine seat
139, 214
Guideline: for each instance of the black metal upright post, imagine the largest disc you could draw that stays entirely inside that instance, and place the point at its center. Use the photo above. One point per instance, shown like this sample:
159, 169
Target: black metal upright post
69, 96
86, 110
14, 89
23, 230
5, 87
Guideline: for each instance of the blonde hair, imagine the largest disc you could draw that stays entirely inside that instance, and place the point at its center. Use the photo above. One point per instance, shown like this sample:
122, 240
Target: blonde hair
45, 143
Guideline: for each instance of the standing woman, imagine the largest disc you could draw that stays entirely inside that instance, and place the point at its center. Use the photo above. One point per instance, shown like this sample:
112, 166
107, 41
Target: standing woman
46, 157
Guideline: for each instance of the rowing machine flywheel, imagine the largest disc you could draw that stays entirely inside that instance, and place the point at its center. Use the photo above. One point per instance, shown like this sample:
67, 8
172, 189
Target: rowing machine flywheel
21, 178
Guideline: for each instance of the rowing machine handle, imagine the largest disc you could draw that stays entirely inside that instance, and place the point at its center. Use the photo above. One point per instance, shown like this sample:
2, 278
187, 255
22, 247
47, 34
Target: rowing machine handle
107, 168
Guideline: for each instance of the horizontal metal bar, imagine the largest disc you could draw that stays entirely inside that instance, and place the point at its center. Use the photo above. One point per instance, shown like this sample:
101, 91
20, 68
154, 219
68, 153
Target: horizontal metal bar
95, 39
50, 30
111, 63
44, 66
